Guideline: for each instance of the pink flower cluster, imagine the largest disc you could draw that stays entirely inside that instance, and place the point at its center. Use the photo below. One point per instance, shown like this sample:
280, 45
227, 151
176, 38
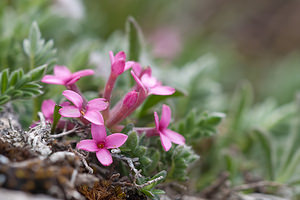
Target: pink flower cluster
98, 113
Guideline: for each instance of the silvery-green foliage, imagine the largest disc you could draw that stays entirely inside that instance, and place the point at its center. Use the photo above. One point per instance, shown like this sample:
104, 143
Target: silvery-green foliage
37, 49
17, 85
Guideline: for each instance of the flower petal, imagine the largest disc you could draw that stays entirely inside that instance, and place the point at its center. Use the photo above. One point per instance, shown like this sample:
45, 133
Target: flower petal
104, 157
94, 117
98, 132
111, 57
165, 142
98, 104
50, 79
62, 72
69, 111
138, 81
72, 80
87, 145
174, 137
156, 119
81, 73
75, 98
48, 108
165, 117
120, 56
162, 90
115, 140
149, 81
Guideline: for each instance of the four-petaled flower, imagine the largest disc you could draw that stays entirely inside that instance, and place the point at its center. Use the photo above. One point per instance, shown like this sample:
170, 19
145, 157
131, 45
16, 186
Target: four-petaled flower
63, 76
90, 112
101, 143
150, 85
118, 63
166, 135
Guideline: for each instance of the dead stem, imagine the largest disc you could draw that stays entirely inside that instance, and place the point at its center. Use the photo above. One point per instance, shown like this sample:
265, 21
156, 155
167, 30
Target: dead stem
64, 133
83, 160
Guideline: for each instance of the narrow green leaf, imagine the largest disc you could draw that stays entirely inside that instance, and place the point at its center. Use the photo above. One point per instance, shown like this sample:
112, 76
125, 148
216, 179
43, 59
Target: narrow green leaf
37, 73
4, 99
16, 94
14, 76
56, 118
241, 103
265, 142
147, 193
25, 79
291, 168
162, 173
34, 91
134, 39
4, 80
158, 192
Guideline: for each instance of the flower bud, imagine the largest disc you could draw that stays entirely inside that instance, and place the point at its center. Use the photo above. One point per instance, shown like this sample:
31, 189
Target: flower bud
130, 99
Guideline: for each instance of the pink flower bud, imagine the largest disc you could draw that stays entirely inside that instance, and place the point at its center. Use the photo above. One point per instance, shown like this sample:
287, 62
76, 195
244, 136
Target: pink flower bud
117, 62
130, 99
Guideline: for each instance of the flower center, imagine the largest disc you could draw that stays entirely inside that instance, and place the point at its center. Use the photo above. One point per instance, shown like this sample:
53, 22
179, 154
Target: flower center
100, 145
82, 112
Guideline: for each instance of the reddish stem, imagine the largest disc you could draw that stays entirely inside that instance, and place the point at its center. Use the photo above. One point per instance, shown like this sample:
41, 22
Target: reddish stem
107, 92
148, 131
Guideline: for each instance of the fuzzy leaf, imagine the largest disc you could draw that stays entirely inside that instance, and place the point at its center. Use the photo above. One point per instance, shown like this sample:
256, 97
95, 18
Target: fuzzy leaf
132, 141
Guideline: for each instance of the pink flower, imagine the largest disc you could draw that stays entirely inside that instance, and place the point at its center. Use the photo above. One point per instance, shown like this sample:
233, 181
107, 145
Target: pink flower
63, 76
48, 109
101, 143
166, 135
90, 112
119, 64
150, 85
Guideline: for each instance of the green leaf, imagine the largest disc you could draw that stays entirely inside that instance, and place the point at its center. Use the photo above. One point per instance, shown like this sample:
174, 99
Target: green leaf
132, 141
134, 39
158, 192
145, 161
4, 99
37, 73
4, 80
56, 118
241, 103
25, 79
14, 76
140, 151
162, 173
34, 91
265, 142
215, 118
127, 128
155, 99
16, 94
148, 193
